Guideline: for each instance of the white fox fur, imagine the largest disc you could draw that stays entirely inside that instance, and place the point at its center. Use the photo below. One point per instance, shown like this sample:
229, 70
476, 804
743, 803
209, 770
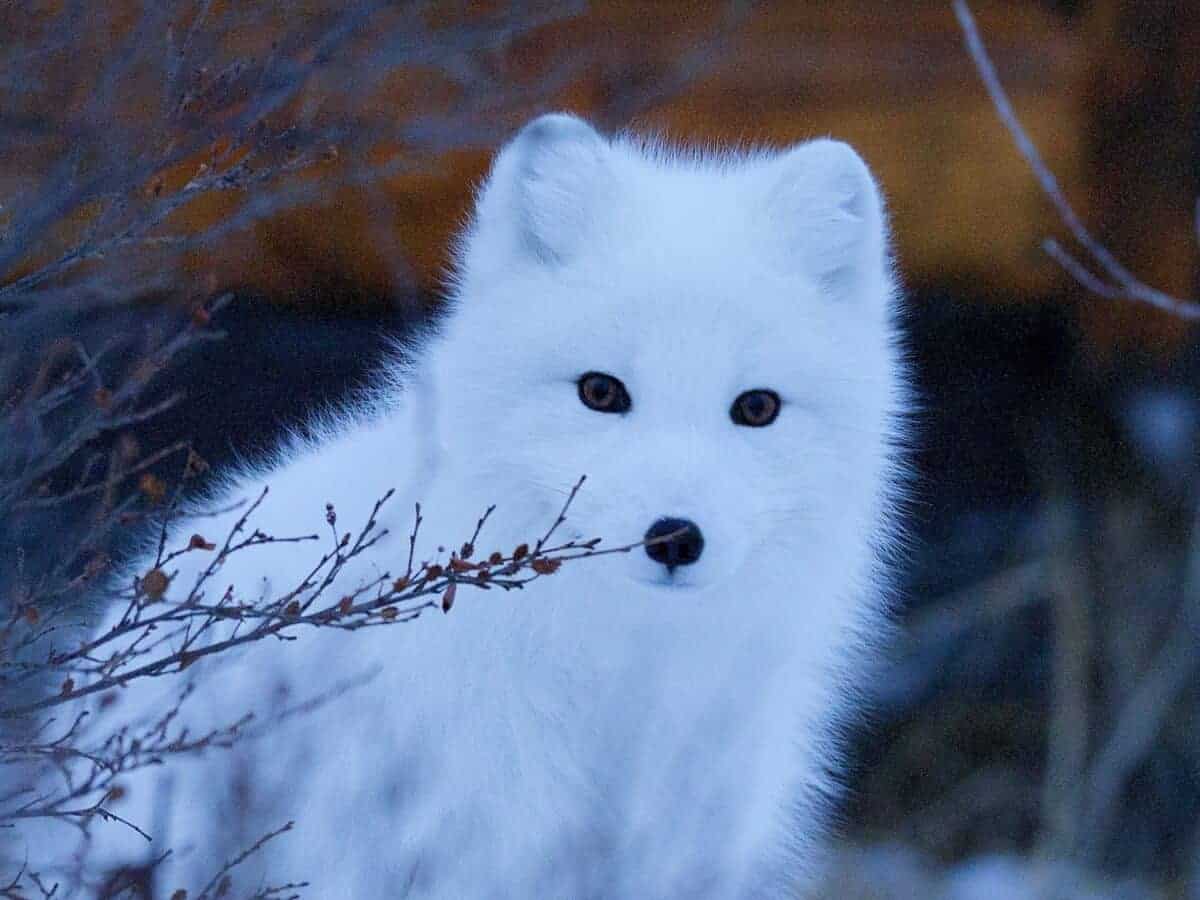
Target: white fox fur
618, 730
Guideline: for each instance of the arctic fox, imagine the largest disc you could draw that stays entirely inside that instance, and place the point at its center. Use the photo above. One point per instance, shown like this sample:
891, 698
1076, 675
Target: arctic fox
710, 339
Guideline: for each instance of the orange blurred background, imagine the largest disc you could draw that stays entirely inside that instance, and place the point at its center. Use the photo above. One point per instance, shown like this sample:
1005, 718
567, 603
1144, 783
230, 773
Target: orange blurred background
1105, 88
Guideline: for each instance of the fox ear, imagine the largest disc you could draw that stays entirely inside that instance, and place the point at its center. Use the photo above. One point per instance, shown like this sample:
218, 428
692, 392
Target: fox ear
828, 212
558, 168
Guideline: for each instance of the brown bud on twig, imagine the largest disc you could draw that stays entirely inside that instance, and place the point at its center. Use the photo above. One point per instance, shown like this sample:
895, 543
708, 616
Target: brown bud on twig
544, 566
448, 596
345, 605
198, 542
152, 486
521, 552
293, 608
195, 465
433, 571
467, 550
400, 584
67, 686
154, 584
389, 613
31, 615
496, 558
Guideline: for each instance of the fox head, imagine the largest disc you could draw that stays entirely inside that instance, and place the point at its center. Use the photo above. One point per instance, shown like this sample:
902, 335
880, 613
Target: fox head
708, 338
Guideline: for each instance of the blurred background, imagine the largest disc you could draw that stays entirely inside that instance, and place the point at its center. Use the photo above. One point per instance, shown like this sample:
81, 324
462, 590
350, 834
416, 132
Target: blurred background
214, 215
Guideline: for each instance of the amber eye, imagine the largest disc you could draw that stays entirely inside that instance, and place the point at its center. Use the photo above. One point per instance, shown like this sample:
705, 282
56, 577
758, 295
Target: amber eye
755, 408
603, 393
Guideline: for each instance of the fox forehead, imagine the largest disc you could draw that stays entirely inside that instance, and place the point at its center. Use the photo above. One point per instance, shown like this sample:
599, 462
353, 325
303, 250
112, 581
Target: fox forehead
697, 313
706, 203
682, 272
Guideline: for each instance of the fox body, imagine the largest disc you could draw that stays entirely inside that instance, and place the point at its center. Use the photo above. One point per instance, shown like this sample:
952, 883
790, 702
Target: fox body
710, 339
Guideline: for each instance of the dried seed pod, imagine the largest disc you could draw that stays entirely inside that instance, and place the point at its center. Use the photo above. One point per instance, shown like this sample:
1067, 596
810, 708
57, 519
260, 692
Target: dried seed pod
544, 566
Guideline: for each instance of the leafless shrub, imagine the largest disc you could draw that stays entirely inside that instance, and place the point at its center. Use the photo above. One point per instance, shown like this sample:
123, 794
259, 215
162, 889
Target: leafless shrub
158, 635
243, 126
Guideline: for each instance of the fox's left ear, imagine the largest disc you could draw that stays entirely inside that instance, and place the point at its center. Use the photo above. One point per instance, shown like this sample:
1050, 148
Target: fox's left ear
828, 213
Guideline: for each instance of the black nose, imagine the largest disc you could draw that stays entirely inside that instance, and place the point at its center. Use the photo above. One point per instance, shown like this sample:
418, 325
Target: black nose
681, 548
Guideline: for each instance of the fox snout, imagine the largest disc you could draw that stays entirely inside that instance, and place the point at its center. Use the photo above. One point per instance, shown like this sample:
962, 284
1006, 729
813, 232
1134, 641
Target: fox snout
674, 542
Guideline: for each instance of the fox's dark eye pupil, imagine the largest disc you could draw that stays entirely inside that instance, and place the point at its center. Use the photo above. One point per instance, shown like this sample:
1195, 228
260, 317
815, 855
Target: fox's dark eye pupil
603, 393
755, 408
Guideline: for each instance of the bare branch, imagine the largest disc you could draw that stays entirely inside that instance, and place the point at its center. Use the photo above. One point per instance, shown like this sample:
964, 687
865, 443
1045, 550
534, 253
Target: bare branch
1120, 283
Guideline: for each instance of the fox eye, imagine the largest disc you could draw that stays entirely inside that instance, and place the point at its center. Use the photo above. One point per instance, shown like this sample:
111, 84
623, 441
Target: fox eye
756, 408
603, 393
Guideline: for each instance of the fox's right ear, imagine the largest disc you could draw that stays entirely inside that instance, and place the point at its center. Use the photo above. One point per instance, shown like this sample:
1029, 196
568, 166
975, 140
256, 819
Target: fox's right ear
828, 213
548, 180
